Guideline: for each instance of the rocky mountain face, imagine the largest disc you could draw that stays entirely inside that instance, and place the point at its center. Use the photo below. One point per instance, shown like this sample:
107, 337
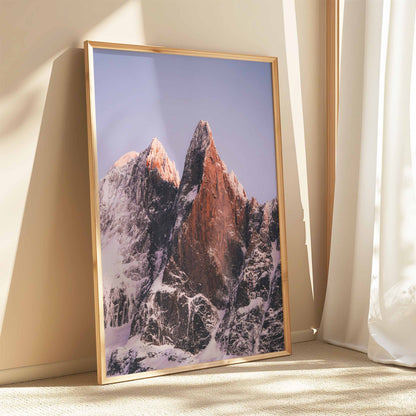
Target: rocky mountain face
136, 216
197, 273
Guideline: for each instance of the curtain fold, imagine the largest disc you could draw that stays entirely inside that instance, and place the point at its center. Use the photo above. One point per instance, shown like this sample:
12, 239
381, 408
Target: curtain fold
371, 295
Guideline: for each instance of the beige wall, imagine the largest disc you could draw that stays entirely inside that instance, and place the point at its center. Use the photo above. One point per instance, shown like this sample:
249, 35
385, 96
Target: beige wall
46, 291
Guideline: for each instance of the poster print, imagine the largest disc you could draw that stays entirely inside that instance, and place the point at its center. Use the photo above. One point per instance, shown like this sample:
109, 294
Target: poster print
187, 209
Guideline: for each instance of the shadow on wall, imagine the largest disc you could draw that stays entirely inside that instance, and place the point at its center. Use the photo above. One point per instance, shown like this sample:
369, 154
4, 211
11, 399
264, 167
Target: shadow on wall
40, 30
51, 292
35, 33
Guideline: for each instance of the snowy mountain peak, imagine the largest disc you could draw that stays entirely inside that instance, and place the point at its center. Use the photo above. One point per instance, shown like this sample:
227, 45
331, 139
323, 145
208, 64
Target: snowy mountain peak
204, 124
156, 144
157, 158
201, 138
123, 160
194, 161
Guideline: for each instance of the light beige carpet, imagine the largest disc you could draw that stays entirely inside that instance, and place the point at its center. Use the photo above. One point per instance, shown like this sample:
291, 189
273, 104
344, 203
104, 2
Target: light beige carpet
318, 379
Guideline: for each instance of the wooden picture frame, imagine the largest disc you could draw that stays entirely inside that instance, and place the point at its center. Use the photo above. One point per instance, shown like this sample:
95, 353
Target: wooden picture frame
188, 273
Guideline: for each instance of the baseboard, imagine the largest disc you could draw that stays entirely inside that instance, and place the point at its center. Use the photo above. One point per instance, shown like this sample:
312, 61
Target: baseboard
303, 335
37, 372
64, 368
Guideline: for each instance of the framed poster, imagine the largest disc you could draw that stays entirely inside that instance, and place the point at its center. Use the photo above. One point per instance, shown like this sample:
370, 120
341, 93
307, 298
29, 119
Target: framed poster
187, 209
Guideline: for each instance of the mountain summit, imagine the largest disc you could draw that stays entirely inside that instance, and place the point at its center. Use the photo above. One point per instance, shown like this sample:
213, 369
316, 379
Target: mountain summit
158, 159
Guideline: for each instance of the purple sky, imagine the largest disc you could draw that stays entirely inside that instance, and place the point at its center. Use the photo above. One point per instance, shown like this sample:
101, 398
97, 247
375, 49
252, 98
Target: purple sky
144, 95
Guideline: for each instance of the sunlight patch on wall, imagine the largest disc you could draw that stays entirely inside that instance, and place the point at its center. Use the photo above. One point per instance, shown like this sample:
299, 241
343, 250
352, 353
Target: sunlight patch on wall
295, 92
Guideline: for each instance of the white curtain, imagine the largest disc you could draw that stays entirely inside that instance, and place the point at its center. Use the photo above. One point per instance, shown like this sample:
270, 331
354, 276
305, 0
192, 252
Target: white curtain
370, 303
